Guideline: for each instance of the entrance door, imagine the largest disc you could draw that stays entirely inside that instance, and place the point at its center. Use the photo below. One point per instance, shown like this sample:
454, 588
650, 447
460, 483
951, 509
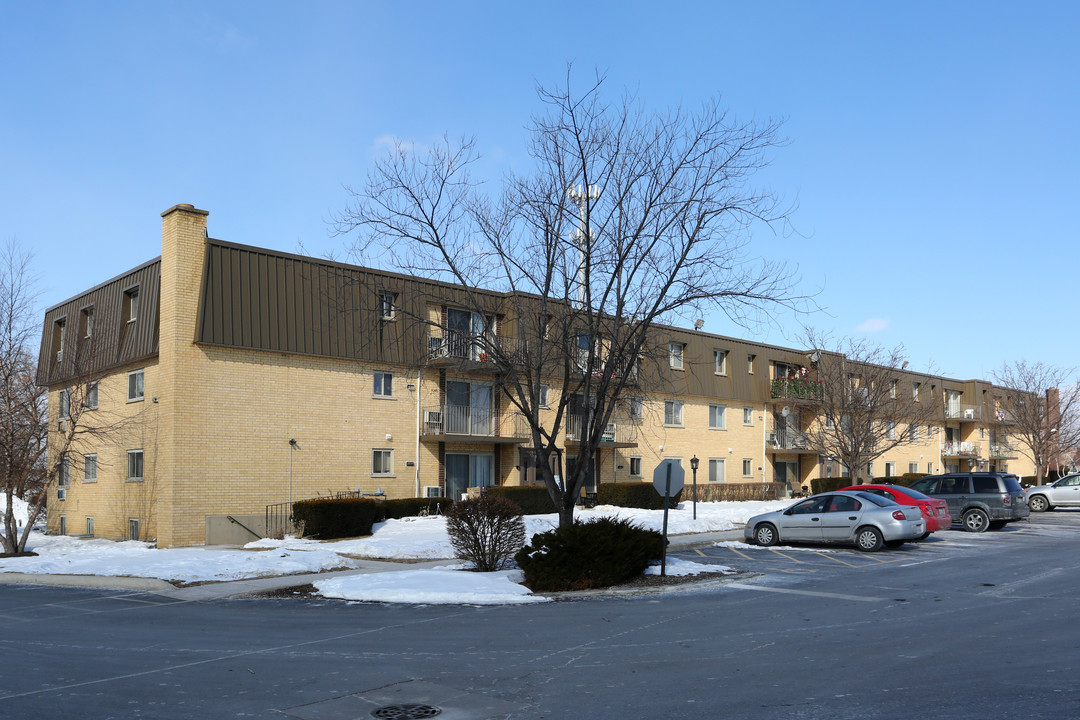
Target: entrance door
590, 478
788, 473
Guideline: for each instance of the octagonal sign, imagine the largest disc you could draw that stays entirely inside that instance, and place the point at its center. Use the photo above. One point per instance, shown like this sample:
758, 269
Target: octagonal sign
678, 477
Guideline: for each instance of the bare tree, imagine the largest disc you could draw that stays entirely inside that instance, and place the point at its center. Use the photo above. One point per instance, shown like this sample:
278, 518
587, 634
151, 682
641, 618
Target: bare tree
862, 410
1043, 410
628, 219
33, 460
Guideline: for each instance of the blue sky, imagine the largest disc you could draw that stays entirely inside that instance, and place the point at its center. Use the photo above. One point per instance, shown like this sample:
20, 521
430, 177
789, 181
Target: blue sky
932, 146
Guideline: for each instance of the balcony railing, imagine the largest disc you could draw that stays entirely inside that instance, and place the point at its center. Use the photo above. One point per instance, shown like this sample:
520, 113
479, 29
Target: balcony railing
789, 440
1003, 452
451, 345
965, 449
963, 412
575, 427
797, 389
473, 420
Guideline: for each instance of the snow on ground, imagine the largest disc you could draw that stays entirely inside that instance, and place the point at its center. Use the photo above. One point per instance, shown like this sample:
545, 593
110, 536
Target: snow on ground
746, 546
418, 538
678, 566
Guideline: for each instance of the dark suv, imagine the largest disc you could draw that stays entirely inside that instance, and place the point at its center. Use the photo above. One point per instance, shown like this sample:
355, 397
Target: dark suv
978, 500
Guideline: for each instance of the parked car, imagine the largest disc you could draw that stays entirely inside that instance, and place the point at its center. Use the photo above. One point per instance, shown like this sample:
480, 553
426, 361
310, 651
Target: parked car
980, 501
935, 511
1063, 493
867, 520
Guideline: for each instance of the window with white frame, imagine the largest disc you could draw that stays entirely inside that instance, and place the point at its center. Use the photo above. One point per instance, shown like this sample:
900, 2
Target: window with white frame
890, 429
890, 469
892, 388
870, 468
720, 362
716, 417
91, 401
913, 467
387, 305
913, 430
65, 404
635, 466
542, 398
90, 468
828, 467
130, 309
716, 470
135, 465
637, 407
382, 462
63, 473
675, 355
750, 359
384, 384
747, 416
59, 331
673, 412
135, 385
929, 468
915, 391
87, 319
747, 467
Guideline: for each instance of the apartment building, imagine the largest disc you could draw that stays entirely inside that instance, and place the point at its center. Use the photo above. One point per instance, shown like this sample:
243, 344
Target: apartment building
234, 377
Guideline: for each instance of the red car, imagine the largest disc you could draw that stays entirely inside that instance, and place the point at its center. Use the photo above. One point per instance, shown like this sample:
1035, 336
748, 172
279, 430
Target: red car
934, 511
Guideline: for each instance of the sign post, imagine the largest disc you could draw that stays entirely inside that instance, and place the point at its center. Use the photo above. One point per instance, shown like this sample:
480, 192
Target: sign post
668, 479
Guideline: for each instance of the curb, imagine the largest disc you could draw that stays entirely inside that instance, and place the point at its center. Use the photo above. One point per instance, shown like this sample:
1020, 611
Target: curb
118, 582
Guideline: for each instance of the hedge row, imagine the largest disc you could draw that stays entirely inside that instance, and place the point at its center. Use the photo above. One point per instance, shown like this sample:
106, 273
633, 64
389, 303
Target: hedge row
532, 500
327, 519
635, 495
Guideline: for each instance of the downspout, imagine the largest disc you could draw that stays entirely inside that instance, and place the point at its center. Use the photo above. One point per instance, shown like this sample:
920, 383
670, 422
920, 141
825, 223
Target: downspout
764, 444
417, 455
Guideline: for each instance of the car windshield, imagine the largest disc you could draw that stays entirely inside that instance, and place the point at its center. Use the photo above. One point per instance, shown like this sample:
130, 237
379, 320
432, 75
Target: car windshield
915, 494
876, 499
1012, 484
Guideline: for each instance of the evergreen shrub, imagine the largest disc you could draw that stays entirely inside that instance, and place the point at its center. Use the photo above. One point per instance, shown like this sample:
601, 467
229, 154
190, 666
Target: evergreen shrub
595, 554
411, 507
635, 495
327, 519
820, 485
531, 499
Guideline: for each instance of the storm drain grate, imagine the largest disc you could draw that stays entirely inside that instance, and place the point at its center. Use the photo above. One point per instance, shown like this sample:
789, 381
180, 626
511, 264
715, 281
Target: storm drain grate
405, 712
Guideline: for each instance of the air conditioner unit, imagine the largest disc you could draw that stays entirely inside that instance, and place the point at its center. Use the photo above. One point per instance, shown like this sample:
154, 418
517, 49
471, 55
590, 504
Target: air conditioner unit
433, 417
609, 429
969, 414
61, 493
772, 438
432, 491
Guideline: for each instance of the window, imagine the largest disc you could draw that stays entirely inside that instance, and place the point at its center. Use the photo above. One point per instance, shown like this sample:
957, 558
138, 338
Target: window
929, 468
716, 417
133, 528
913, 431
135, 385
892, 389
870, 468
675, 355
720, 362
637, 409
828, 467
635, 467
91, 401
747, 467
384, 384
747, 416
90, 526
65, 404
90, 468
673, 412
890, 429
750, 363
135, 465
890, 469
829, 422
783, 370
63, 525
63, 473
716, 470
982, 433
915, 391
382, 462
130, 309
542, 398
913, 467
59, 328
87, 321
387, 307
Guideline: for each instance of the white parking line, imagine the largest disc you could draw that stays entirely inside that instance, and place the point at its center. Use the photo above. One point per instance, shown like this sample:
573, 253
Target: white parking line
788, 591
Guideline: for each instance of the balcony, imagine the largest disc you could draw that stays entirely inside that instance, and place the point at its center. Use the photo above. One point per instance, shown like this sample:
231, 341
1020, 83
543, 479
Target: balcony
1002, 452
464, 423
963, 413
965, 449
469, 352
575, 429
790, 441
797, 390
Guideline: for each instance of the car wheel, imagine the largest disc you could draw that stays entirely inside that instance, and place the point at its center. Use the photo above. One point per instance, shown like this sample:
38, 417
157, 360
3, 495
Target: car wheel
1038, 503
766, 535
923, 537
868, 539
976, 520
893, 544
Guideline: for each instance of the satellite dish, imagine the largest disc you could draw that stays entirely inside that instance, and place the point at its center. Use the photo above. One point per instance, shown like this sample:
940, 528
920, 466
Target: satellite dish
699, 323
786, 412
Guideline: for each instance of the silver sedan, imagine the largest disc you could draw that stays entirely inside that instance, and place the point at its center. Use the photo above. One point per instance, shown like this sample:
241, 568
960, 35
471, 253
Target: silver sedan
869, 521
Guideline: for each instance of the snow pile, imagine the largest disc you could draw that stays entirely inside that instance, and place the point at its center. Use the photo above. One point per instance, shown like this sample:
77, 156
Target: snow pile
20, 508
680, 567
438, 586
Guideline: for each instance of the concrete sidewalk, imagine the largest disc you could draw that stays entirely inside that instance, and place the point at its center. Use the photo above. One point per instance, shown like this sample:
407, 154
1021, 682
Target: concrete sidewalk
235, 588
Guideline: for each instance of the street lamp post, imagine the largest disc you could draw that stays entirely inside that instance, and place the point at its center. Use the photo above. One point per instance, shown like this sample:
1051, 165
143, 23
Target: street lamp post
693, 466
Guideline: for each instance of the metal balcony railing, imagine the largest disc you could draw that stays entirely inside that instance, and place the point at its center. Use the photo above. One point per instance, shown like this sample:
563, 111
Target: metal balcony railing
963, 412
965, 449
575, 427
472, 420
789, 440
797, 389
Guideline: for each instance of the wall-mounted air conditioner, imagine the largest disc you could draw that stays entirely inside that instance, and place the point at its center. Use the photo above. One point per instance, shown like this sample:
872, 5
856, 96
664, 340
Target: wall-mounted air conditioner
433, 417
772, 438
432, 491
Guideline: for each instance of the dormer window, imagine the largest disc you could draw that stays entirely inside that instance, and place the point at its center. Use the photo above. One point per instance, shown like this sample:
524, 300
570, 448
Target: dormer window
387, 308
86, 321
59, 330
130, 310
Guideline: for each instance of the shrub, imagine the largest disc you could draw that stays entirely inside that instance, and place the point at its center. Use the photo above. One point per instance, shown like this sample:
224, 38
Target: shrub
588, 555
327, 519
486, 531
531, 499
411, 507
734, 492
820, 485
636, 495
